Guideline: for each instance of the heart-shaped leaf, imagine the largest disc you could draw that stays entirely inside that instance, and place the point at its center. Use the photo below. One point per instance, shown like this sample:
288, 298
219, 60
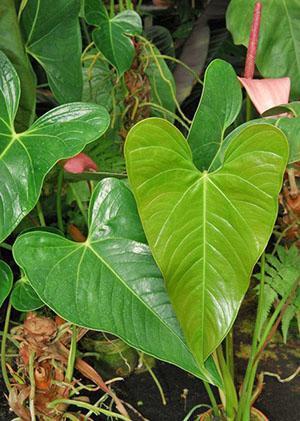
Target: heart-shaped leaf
25, 158
111, 36
206, 230
6, 281
219, 106
23, 296
52, 37
110, 282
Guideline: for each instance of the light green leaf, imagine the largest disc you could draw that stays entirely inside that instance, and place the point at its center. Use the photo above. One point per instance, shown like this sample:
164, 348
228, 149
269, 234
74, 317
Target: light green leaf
52, 37
112, 35
26, 158
206, 230
219, 106
291, 128
110, 282
6, 281
24, 298
278, 52
287, 317
11, 44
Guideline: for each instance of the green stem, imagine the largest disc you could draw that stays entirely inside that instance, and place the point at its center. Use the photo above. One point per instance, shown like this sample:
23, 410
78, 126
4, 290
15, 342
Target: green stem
85, 31
164, 110
6, 246
87, 406
231, 400
245, 399
212, 399
248, 108
72, 355
58, 199
79, 204
40, 214
32, 385
229, 353
3, 348
156, 381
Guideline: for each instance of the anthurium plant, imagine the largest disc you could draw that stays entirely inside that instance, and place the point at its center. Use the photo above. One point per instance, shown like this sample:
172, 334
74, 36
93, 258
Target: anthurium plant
154, 239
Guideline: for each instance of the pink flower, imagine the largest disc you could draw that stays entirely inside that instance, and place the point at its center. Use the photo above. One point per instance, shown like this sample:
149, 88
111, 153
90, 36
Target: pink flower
79, 163
267, 93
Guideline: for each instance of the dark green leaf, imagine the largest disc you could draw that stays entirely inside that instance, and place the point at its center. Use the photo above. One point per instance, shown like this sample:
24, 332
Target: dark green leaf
112, 35
25, 158
110, 282
24, 298
206, 230
219, 106
6, 281
12, 45
292, 107
52, 37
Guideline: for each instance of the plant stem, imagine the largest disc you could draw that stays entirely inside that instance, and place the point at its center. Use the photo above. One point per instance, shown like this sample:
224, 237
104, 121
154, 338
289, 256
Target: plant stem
212, 399
58, 199
253, 42
244, 405
32, 385
79, 204
72, 355
248, 108
85, 31
6, 246
156, 381
229, 352
231, 400
3, 347
40, 214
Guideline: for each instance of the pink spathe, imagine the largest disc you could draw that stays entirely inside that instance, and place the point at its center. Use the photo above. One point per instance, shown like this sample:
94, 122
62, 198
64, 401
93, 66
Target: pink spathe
80, 163
267, 93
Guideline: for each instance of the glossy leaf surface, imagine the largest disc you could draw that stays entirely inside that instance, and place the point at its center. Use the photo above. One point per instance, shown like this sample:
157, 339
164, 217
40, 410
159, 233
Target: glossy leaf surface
110, 282
112, 35
278, 53
25, 158
52, 36
206, 230
12, 45
219, 106
24, 298
6, 281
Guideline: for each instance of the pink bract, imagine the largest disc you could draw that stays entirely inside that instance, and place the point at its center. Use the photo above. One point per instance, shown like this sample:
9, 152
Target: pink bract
79, 164
267, 93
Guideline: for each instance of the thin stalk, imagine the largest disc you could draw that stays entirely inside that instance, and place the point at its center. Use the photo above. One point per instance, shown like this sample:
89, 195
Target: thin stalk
40, 214
32, 385
164, 110
212, 399
85, 31
156, 381
79, 204
6, 246
229, 352
72, 356
58, 200
244, 411
3, 347
248, 108
231, 400
87, 406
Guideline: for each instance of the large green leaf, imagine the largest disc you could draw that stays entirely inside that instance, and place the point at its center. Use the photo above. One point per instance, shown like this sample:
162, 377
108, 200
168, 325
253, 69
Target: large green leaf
6, 281
110, 282
25, 158
206, 230
111, 36
219, 106
11, 44
52, 37
278, 51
